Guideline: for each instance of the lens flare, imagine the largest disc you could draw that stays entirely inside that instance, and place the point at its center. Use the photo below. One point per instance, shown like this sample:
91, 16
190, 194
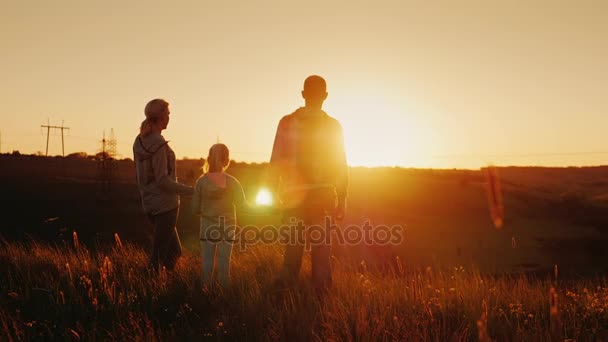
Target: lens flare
495, 199
264, 197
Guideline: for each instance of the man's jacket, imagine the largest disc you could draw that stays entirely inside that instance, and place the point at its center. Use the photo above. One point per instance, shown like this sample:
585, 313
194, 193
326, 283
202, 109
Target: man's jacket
308, 155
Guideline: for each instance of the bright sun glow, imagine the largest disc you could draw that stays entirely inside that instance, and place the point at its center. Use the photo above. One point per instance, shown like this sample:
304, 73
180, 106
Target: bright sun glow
264, 197
381, 132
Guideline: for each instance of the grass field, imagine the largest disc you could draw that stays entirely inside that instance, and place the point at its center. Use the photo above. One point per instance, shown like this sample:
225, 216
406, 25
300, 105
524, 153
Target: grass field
72, 293
455, 277
547, 211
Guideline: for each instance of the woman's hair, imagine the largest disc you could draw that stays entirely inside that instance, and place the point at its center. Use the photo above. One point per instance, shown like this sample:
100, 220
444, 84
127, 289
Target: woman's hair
153, 111
218, 159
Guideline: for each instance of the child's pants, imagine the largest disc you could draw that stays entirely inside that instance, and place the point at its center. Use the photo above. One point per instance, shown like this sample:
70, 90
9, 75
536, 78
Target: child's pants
208, 252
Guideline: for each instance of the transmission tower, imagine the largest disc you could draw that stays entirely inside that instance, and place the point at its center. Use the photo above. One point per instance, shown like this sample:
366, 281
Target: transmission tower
48, 131
108, 146
111, 145
106, 167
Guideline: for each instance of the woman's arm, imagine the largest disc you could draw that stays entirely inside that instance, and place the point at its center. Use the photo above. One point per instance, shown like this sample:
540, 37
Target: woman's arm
161, 174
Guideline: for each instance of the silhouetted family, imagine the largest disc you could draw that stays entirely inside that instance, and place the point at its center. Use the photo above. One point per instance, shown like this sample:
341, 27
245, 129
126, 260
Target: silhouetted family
308, 174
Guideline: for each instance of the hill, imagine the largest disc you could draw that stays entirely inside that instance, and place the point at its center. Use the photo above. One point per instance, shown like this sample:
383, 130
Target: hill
445, 212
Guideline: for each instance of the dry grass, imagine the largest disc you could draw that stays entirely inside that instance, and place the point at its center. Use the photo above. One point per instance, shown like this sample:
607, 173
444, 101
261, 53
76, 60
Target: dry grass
72, 293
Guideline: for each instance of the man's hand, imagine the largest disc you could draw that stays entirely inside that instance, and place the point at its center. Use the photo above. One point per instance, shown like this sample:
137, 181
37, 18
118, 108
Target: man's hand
340, 211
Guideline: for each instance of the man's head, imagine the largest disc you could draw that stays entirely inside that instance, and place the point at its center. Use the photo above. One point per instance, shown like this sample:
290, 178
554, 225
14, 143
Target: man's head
315, 91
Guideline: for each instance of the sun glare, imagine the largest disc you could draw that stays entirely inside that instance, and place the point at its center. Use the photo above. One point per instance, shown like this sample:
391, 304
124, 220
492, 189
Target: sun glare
378, 132
264, 197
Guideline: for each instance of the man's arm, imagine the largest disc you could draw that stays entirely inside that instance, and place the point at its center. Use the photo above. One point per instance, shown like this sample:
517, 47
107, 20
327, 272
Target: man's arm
277, 159
341, 172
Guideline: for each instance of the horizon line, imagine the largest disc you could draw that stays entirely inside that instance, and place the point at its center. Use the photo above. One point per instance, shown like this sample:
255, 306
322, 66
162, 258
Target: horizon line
128, 159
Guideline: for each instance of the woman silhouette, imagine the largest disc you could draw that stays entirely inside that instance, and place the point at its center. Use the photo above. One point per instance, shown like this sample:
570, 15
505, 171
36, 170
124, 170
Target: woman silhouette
157, 183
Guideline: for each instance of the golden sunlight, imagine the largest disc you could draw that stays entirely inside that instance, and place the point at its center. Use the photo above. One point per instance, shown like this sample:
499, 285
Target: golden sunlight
378, 132
264, 197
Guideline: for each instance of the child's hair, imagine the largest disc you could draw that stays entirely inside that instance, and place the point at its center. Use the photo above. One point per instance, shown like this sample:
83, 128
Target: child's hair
218, 159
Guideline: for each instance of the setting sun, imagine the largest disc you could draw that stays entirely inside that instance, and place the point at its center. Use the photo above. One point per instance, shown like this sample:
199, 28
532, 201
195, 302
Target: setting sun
264, 197
304, 170
379, 131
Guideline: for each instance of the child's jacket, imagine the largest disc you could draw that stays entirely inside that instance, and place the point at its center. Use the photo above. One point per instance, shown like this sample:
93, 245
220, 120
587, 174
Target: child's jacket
217, 206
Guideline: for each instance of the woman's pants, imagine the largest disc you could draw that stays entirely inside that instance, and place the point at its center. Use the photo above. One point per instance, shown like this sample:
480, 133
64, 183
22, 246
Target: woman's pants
208, 253
166, 247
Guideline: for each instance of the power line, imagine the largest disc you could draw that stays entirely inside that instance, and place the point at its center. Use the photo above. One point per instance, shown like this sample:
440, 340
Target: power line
440, 156
48, 131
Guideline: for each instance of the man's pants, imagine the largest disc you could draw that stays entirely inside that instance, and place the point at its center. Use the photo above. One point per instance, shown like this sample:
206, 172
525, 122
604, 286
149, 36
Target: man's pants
311, 212
166, 247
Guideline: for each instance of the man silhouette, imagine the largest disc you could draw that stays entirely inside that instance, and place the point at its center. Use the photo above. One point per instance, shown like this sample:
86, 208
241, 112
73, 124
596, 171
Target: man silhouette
310, 175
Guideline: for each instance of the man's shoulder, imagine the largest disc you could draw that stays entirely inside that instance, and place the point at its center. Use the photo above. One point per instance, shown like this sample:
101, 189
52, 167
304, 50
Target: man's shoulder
332, 119
333, 122
287, 119
293, 116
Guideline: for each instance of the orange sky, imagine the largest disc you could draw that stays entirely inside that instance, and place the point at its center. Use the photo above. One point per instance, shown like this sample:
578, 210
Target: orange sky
414, 83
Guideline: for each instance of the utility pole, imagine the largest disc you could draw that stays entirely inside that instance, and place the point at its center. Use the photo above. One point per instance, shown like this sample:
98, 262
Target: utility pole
62, 144
103, 146
48, 128
48, 131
